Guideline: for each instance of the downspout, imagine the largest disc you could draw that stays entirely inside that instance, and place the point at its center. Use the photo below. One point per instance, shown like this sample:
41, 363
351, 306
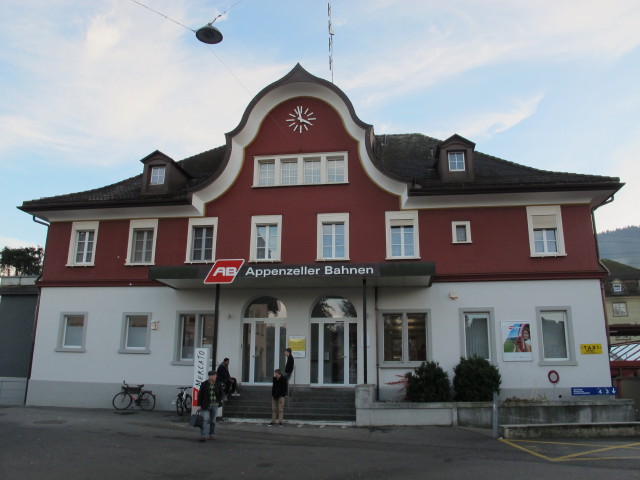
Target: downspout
602, 282
35, 321
364, 327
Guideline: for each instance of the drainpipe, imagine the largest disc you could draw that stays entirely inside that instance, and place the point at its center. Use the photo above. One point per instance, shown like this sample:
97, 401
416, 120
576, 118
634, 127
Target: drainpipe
364, 326
602, 283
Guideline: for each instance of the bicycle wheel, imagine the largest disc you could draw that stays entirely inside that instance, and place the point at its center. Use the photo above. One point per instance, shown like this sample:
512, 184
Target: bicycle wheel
180, 406
187, 403
121, 401
147, 401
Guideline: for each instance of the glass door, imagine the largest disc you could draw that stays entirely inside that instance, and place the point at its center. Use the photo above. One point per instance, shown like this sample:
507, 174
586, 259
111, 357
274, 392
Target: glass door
334, 359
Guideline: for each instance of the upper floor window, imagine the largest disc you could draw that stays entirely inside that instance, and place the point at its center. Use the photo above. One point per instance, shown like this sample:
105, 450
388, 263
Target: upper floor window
142, 242
616, 287
83, 242
546, 237
314, 169
157, 175
72, 333
265, 238
201, 240
333, 236
461, 232
557, 346
402, 234
456, 161
620, 309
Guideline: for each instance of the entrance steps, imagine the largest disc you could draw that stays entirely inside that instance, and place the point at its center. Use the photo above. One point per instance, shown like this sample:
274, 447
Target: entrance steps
304, 403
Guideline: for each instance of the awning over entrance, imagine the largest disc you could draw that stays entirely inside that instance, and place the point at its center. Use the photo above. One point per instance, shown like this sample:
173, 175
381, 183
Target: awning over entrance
256, 275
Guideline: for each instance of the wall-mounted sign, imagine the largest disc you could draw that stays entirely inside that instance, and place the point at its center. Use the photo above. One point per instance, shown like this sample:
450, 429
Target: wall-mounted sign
516, 341
224, 271
591, 348
298, 346
327, 270
594, 390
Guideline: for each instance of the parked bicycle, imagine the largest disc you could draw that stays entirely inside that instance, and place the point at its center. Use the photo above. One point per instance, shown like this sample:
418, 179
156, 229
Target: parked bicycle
145, 399
183, 401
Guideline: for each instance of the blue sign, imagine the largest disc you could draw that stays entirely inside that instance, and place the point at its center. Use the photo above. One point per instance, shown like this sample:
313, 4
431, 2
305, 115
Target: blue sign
594, 390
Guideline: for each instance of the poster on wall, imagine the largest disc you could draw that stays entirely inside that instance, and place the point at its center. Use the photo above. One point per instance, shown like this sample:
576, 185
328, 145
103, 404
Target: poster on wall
516, 337
298, 346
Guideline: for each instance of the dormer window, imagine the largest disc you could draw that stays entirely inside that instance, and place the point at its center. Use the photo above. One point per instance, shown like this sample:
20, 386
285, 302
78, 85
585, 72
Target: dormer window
456, 162
157, 175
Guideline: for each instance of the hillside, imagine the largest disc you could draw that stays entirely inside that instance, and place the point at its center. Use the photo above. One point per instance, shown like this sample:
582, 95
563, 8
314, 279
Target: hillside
621, 245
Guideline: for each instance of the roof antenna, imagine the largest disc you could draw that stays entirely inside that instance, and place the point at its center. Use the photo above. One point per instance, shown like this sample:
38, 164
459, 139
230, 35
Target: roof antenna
330, 42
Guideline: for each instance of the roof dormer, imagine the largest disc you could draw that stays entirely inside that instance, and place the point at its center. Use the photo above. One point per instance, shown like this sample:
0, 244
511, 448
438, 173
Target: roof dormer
162, 175
455, 159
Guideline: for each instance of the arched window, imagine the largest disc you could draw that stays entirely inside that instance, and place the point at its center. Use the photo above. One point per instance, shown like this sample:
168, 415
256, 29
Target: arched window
334, 307
266, 307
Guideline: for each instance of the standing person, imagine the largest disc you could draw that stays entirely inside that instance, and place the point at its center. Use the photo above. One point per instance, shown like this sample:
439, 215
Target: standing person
288, 368
209, 399
224, 377
278, 392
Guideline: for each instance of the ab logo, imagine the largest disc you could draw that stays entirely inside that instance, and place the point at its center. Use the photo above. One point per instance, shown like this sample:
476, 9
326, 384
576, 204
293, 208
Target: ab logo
224, 271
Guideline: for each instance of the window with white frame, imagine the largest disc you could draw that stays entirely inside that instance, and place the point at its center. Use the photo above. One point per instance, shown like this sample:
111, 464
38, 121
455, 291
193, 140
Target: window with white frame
201, 240
142, 242
157, 175
195, 330
266, 238
82, 246
616, 287
477, 333
404, 337
135, 333
461, 232
456, 161
546, 238
402, 234
312, 169
333, 236
72, 332
620, 309
556, 344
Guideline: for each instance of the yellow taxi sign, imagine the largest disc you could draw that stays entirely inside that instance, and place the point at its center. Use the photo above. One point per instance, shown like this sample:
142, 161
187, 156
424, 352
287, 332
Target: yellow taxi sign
591, 348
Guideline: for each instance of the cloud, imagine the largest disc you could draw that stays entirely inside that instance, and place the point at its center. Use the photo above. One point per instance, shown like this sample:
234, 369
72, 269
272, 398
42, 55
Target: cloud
482, 126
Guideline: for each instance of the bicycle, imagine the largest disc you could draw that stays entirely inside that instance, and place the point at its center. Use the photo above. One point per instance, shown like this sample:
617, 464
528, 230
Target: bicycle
145, 399
183, 401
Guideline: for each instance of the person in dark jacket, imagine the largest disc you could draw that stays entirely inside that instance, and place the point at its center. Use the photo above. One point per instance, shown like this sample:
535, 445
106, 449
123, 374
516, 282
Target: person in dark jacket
288, 368
224, 377
209, 399
278, 392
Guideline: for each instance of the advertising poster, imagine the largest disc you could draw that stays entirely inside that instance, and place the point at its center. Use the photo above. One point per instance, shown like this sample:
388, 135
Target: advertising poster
517, 346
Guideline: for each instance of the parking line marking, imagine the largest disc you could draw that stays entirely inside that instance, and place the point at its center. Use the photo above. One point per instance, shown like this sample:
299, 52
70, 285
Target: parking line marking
578, 455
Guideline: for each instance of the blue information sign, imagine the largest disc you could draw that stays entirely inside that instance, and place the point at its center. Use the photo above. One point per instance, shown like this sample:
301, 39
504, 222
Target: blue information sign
594, 390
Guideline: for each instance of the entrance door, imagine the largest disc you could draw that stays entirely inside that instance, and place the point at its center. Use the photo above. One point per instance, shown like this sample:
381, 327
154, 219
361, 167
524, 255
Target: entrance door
264, 338
334, 342
334, 353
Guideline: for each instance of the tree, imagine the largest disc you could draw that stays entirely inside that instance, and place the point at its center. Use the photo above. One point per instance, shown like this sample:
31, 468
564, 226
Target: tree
21, 261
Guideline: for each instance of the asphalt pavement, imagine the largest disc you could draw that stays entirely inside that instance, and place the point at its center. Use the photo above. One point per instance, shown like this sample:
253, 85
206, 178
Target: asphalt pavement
58, 443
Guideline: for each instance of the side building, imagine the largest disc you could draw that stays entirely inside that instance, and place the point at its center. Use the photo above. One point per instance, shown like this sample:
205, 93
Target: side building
366, 254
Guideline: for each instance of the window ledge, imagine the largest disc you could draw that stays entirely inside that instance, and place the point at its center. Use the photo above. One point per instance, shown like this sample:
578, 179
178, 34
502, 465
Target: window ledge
142, 350
402, 258
557, 362
182, 363
128, 264
548, 255
72, 350
80, 265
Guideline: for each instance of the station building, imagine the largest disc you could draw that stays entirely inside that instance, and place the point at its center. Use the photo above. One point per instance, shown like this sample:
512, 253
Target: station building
366, 254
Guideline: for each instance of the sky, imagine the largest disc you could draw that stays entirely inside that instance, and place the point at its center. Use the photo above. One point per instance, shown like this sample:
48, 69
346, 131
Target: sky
88, 88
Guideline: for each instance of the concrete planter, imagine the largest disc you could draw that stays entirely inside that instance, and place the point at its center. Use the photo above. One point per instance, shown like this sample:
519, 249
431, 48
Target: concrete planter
480, 414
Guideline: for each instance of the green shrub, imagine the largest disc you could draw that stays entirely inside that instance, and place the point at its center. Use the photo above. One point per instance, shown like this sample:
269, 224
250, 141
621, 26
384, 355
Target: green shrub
428, 383
475, 379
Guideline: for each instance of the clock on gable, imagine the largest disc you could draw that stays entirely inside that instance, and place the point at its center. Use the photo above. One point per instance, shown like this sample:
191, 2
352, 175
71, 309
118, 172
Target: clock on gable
301, 119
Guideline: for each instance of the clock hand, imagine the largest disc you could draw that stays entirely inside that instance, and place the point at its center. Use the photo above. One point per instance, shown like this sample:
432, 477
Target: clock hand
305, 121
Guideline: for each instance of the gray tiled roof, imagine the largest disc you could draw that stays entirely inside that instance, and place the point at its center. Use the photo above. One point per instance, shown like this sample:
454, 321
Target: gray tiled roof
406, 157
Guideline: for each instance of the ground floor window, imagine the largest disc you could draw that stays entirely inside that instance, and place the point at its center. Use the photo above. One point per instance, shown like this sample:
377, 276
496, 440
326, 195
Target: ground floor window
196, 330
555, 327
72, 333
404, 337
135, 333
477, 338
